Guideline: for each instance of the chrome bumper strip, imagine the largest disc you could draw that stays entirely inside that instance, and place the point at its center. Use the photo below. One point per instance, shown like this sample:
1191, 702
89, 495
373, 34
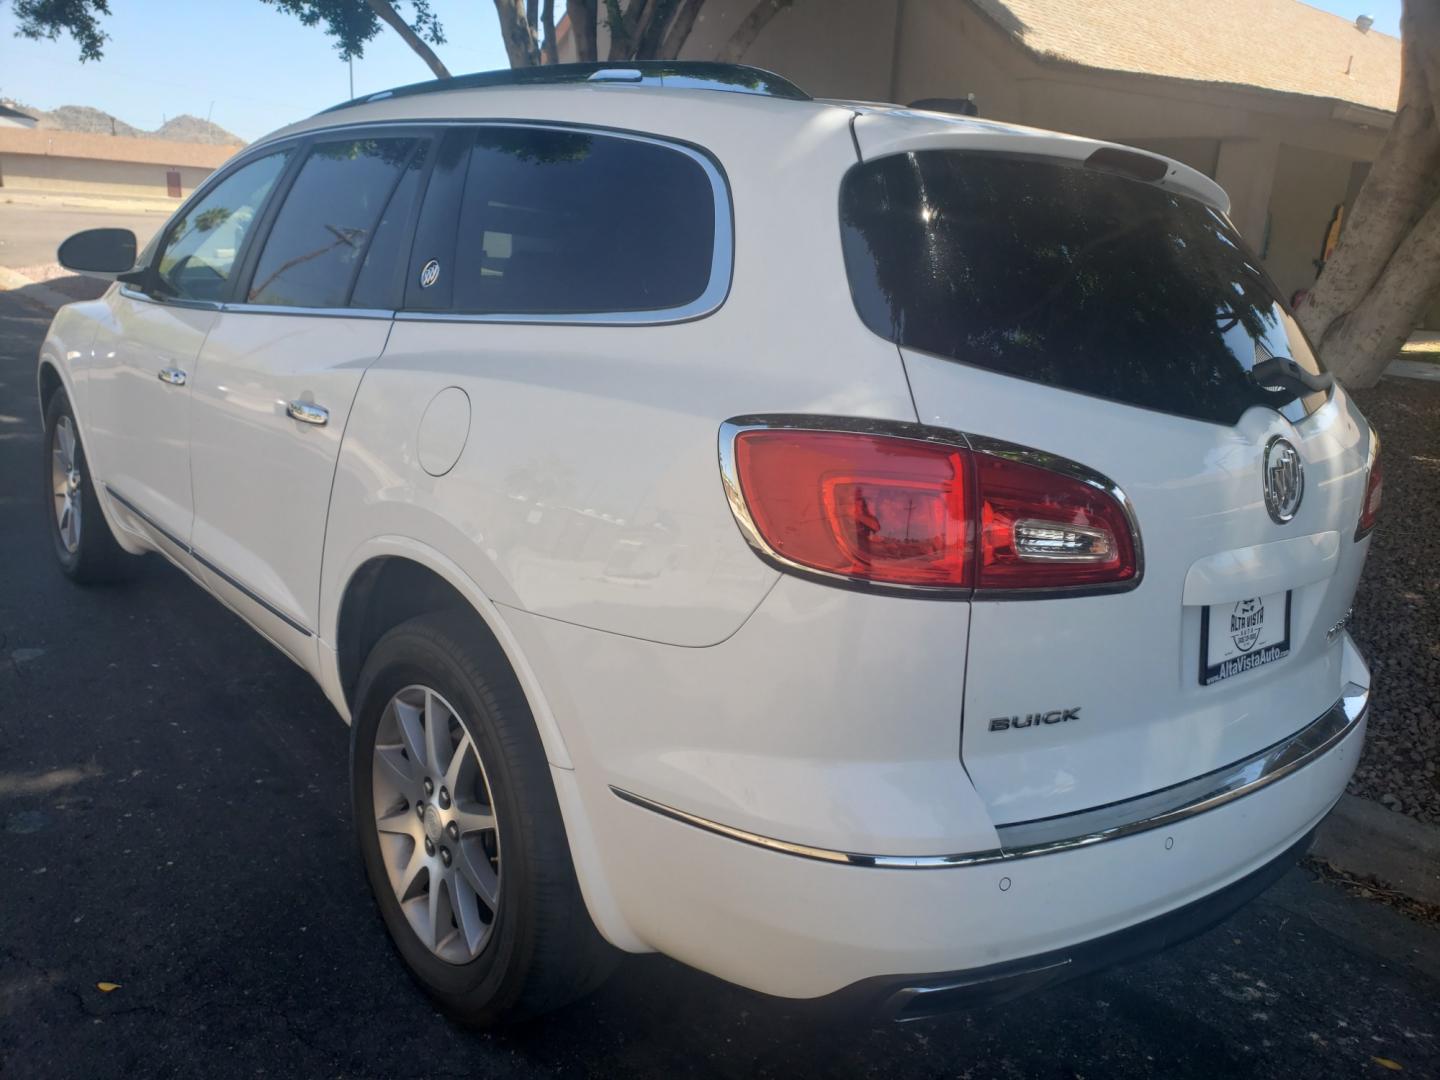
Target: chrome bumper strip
1046, 835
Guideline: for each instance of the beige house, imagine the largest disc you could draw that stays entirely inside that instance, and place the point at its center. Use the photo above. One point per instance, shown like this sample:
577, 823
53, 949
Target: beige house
1283, 104
76, 163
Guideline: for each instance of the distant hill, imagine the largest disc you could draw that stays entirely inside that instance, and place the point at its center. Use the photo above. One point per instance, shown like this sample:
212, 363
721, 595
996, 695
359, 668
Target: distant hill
187, 128
92, 121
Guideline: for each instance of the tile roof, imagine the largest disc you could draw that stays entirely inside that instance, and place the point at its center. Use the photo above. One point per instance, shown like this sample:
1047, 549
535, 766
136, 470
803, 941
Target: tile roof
1279, 45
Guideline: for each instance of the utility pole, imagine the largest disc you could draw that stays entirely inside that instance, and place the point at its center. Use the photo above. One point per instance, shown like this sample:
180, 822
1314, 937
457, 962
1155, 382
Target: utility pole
352, 78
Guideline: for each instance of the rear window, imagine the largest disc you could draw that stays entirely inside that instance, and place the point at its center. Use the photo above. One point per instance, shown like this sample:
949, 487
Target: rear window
1068, 276
557, 223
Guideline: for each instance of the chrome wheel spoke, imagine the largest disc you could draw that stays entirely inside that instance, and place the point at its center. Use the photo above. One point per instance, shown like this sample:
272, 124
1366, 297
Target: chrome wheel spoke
437, 735
65, 437
466, 907
397, 773
479, 875
410, 720
473, 818
400, 823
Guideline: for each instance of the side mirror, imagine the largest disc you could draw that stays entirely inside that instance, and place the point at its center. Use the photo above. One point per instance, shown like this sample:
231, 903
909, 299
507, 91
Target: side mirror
101, 253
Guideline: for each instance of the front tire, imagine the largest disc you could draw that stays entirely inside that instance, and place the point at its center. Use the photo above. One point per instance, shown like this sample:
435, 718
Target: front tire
84, 546
460, 831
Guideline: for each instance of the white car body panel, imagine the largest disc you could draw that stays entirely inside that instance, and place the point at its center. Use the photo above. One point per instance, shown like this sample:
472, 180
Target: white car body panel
138, 425
584, 520
262, 479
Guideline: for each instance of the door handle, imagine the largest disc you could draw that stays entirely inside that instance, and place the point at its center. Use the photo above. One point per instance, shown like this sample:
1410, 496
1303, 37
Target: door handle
172, 375
308, 413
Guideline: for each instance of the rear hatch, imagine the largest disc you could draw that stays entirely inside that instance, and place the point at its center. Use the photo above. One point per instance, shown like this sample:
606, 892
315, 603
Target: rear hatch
1085, 312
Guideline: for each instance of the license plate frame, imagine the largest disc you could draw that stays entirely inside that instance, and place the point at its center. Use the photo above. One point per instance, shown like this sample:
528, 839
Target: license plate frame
1235, 656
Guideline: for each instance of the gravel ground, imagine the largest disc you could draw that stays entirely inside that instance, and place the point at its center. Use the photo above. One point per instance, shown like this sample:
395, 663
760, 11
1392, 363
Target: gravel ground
1397, 610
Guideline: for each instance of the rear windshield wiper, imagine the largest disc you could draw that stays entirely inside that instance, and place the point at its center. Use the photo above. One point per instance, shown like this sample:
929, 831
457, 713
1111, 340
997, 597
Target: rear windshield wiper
1281, 374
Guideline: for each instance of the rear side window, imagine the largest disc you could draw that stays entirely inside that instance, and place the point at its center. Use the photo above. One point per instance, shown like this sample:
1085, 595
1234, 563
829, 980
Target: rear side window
1069, 276
554, 223
323, 230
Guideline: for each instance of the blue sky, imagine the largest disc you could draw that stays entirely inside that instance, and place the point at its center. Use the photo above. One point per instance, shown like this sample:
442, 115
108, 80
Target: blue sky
252, 68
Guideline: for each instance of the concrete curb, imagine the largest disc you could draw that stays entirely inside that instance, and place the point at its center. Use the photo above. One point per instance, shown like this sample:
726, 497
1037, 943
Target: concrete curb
1363, 839
37, 291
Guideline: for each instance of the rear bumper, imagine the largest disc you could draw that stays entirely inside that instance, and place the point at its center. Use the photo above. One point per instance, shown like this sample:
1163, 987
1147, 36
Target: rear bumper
916, 997
804, 927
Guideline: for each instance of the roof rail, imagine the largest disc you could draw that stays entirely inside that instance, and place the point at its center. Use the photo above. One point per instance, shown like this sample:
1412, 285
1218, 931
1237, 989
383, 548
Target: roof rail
674, 74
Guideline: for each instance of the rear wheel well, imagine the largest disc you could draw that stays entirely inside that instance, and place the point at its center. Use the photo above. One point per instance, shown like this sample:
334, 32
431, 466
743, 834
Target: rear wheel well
386, 592
49, 384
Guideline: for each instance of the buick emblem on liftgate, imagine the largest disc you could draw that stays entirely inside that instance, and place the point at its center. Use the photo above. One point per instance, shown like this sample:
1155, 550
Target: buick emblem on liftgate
1284, 479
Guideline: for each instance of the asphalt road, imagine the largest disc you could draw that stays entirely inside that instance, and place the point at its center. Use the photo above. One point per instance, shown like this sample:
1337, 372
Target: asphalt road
174, 819
30, 234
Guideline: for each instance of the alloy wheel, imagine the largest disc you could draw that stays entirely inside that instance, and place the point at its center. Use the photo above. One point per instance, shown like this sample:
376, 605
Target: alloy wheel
65, 483
436, 824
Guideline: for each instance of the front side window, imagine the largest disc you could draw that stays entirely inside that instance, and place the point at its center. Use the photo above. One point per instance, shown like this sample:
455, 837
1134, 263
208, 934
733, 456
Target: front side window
1061, 274
324, 227
556, 223
202, 246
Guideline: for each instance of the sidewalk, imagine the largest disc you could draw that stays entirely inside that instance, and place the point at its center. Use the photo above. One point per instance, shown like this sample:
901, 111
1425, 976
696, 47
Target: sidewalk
122, 204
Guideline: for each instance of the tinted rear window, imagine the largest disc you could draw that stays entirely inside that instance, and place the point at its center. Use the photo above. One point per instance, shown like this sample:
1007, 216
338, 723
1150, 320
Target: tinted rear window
1069, 276
561, 222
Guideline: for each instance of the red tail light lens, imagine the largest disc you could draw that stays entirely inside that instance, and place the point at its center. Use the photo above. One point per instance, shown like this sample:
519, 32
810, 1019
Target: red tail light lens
1040, 529
865, 506
1374, 492
898, 511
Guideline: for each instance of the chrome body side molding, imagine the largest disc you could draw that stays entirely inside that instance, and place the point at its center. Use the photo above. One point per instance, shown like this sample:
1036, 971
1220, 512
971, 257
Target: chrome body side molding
1024, 839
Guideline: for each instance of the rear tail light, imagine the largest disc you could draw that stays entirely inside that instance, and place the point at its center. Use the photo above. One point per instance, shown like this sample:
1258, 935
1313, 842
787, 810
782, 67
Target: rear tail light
905, 512
1374, 492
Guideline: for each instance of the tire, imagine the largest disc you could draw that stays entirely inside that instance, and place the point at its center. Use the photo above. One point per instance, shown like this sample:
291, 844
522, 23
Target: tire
539, 950
84, 546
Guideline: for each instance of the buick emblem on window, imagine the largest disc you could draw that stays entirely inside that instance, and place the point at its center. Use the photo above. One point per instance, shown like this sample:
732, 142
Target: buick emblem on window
1284, 480
429, 274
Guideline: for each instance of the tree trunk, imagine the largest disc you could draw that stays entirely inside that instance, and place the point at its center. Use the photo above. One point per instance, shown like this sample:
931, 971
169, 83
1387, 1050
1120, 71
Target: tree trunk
746, 33
582, 27
388, 15
518, 33
549, 52
1386, 267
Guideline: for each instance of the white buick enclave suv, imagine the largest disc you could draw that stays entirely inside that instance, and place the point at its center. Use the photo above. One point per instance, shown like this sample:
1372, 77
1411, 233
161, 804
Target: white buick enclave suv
864, 553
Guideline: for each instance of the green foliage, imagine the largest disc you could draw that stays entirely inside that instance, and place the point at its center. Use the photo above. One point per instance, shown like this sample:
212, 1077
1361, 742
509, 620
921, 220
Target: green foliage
48, 19
353, 23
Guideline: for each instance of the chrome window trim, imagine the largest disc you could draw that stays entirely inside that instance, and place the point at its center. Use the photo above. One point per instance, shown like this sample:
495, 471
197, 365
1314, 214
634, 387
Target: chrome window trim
980, 444
1067, 832
318, 313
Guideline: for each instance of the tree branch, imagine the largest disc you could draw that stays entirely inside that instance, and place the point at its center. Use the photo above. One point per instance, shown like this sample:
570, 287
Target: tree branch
746, 33
686, 11
387, 14
518, 33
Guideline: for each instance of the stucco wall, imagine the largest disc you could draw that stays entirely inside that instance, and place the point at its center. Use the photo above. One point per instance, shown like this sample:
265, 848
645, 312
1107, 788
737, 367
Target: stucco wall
1309, 184
83, 176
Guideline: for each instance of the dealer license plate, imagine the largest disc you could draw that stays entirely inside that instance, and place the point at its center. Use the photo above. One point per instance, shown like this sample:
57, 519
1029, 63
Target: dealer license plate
1240, 637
